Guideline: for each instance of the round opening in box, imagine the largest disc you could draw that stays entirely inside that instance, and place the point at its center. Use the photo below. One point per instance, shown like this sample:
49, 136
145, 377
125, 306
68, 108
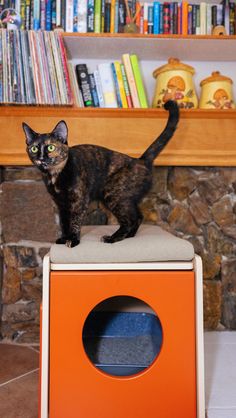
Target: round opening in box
122, 336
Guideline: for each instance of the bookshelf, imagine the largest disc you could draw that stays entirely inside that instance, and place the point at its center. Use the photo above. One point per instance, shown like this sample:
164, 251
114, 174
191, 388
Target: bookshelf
204, 137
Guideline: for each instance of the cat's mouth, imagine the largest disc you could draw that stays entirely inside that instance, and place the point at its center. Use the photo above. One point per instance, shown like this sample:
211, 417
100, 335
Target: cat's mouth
42, 164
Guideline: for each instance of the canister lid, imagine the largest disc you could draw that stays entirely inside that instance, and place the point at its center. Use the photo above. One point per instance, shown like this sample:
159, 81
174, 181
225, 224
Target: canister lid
173, 64
215, 76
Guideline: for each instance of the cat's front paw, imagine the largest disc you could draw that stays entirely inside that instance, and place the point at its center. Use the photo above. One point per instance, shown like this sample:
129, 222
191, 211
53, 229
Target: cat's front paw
61, 240
72, 242
107, 239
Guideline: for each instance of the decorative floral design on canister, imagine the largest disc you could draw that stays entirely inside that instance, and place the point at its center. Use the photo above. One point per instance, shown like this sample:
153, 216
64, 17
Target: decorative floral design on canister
175, 82
216, 92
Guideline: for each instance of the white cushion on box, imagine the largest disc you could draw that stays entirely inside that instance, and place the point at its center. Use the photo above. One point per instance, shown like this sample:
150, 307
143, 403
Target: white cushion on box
150, 244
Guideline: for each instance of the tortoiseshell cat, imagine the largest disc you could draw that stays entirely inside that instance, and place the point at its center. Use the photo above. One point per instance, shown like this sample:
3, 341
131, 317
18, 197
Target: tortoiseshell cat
77, 175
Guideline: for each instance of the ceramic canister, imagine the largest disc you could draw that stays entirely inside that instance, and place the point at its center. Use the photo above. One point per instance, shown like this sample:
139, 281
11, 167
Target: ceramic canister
175, 82
216, 92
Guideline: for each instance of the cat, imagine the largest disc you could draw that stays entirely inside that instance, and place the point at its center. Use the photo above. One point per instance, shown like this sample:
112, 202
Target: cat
75, 176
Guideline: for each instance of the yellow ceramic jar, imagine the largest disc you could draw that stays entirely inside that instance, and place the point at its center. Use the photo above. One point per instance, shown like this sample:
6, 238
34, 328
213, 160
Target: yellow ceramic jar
175, 82
216, 92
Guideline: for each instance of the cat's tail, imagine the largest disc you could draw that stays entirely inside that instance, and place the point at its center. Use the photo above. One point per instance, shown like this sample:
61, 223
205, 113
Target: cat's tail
157, 146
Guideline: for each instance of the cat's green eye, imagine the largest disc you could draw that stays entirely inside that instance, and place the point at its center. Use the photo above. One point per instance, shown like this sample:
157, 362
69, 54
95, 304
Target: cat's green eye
51, 148
34, 149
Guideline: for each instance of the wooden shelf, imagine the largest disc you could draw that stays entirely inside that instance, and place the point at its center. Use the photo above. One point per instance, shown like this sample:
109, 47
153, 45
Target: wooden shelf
204, 137
154, 47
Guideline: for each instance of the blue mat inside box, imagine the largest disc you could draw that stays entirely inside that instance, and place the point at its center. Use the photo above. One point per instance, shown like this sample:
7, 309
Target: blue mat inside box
122, 343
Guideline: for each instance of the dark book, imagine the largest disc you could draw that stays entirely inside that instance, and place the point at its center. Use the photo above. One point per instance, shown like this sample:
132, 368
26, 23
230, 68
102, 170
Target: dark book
175, 18
171, 18
63, 14
194, 18
107, 23
93, 89
232, 7
84, 84
103, 3
150, 19
166, 18
214, 16
90, 16
121, 16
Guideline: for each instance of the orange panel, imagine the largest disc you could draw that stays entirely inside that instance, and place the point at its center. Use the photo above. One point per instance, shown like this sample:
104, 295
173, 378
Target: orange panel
167, 389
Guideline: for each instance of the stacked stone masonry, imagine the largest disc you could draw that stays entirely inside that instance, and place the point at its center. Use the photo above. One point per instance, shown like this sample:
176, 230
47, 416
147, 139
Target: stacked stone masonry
198, 204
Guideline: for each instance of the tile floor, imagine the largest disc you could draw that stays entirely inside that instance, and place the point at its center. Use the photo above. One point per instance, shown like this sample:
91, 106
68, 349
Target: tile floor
19, 378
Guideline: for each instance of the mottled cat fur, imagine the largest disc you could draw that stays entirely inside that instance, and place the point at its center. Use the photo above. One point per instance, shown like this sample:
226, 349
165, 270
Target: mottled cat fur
80, 174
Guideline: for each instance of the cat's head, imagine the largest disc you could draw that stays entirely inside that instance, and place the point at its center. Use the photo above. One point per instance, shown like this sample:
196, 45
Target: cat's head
47, 151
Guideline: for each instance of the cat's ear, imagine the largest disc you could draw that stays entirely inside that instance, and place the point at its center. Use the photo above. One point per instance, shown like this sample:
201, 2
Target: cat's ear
29, 133
61, 131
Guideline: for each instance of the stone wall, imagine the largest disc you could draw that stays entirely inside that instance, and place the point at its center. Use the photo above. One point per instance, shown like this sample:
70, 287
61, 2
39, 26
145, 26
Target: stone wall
198, 204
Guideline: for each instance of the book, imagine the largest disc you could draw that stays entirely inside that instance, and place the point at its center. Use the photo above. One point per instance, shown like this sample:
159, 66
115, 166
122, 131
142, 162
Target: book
99, 88
107, 20
82, 16
131, 80
84, 85
156, 17
69, 15
121, 87
145, 18
48, 23
126, 86
97, 16
150, 18
36, 15
93, 89
121, 15
166, 18
203, 18
77, 96
108, 86
117, 89
90, 16
138, 81
112, 16
184, 18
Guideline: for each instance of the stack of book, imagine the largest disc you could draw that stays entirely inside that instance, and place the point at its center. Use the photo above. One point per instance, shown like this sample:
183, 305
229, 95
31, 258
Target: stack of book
158, 17
111, 85
33, 68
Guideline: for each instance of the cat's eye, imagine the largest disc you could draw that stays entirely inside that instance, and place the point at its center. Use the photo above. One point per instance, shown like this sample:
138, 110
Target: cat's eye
34, 149
51, 148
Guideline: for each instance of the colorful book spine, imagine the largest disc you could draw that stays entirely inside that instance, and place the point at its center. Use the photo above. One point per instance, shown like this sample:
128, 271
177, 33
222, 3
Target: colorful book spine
103, 3
97, 16
131, 80
54, 14
194, 19
58, 13
171, 8
184, 18
108, 87
122, 16
90, 16
99, 88
166, 18
112, 18
156, 17
121, 84
83, 81
175, 18
48, 24
75, 15
36, 15
116, 22
138, 81
126, 86
117, 89
145, 18
190, 8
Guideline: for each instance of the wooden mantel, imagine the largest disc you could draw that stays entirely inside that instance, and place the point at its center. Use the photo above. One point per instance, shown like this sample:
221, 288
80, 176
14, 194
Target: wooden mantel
203, 137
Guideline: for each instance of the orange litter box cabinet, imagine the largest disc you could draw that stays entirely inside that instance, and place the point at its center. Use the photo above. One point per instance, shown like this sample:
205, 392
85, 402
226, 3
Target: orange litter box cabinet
122, 333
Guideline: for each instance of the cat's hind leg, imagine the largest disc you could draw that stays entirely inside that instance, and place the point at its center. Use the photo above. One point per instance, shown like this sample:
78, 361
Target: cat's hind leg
129, 218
